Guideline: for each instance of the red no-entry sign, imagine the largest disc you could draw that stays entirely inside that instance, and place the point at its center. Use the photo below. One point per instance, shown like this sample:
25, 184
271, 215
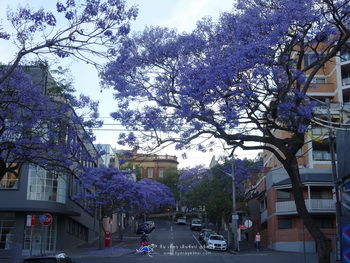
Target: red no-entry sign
46, 219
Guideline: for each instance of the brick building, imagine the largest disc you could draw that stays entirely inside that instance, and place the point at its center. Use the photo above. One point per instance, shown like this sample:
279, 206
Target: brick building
271, 199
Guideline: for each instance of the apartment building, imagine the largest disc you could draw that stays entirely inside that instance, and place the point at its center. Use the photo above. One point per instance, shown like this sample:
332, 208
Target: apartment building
151, 166
37, 213
271, 198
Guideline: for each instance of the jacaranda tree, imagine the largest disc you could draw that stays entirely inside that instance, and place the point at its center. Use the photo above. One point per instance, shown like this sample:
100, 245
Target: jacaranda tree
41, 128
82, 30
111, 191
34, 116
236, 80
157, 196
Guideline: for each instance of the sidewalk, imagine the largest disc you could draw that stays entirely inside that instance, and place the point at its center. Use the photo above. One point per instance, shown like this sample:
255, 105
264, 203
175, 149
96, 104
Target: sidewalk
128, 244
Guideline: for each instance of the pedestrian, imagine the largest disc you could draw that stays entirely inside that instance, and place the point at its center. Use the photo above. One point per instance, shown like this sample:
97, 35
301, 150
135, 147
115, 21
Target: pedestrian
144, 239
257, 241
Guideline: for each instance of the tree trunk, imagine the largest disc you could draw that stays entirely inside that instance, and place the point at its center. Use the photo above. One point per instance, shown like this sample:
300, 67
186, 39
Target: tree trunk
324, 246
101, 244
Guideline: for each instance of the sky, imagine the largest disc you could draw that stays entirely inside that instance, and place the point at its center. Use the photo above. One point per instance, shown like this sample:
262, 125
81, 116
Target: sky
179, 14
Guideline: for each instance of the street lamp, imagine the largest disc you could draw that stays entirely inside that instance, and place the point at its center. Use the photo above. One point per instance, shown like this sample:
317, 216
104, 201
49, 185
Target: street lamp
331, 139
336, 190
234, 210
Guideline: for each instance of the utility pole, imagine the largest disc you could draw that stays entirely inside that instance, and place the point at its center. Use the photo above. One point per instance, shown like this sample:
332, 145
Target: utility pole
336, 190
234, 211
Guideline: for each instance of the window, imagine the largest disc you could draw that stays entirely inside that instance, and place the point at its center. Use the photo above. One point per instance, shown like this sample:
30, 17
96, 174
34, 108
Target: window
321, 194
347, 186
323, 222
263, 205
46, 185
309, 59
283, 194
161, 173
284, 223
9, 181
318, 80
7, 225
76, 229
150, 173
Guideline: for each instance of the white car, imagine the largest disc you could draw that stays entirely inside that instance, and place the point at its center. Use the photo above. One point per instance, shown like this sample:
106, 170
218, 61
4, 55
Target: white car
181, 221
216, 242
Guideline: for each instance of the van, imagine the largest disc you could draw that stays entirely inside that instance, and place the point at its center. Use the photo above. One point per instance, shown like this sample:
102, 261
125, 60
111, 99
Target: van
196, 224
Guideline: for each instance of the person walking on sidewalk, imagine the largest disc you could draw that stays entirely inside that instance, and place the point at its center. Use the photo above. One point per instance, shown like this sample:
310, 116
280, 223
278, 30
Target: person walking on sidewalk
257, 241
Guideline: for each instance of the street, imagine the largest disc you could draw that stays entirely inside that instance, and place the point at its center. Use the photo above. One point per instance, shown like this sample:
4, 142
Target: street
178, 244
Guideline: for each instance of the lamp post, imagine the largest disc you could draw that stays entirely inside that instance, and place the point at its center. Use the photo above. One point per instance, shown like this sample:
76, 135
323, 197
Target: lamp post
336, 190
234, 211
331, 139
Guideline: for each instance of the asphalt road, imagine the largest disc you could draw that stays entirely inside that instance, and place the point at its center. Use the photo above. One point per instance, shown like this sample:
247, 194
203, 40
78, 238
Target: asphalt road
178, 244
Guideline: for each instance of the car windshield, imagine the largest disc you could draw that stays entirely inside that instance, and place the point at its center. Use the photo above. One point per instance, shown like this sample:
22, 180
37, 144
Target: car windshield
207, 234
217, 237
196, 222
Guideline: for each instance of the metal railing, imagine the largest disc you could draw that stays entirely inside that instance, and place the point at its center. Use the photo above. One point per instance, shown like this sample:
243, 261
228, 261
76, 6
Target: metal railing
313, 205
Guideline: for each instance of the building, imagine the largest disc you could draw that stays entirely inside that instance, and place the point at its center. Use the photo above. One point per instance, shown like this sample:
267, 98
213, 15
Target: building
37, 212
150, 166
271, 198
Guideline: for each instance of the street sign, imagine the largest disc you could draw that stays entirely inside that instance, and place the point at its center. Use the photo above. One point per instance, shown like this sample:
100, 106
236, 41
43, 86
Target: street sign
46, 219
235, 217
248, 223
31, 220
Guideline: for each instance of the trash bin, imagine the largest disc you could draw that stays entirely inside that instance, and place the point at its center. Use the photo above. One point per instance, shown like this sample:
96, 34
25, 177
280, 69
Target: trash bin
107, 239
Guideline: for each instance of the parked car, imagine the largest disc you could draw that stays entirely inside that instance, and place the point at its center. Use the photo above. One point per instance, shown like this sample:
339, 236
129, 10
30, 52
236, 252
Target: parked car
196, 224
143, 228
49, 258
216, 242
201, 234
206, 236
151, 224
181, 221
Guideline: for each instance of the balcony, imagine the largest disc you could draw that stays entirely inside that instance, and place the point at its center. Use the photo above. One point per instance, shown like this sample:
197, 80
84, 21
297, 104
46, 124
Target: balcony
312, 205
321, 156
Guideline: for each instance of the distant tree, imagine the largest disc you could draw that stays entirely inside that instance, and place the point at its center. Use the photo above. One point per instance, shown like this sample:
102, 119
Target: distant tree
113, 190
132, 167
212, 188
190, 178
171, 180
236, 80
110, 190
157, 196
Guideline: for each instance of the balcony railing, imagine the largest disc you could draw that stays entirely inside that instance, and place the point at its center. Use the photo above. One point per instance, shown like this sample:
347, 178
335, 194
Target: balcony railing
322, 156
312, 205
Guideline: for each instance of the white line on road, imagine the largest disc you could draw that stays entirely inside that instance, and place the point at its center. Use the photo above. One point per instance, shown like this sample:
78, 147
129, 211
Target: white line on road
172, 249
201, 246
